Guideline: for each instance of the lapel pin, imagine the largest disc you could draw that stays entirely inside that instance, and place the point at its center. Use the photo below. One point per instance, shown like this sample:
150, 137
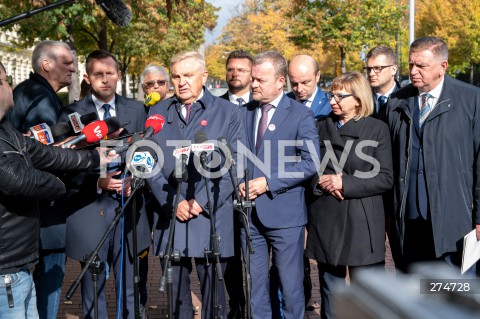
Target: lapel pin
271, 127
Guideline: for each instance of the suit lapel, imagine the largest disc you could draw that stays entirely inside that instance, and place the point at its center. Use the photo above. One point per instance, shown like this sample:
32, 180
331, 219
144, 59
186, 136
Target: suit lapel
281, 112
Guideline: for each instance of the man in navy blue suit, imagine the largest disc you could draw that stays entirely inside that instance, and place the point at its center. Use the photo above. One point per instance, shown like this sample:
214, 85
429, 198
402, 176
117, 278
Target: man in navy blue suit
93, 197
193, 110
304, 76
238, 77
282, 148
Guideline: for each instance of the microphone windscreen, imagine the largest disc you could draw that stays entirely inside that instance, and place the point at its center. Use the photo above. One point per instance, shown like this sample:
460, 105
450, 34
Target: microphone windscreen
112, 124
95, 131
60, 129
116, 11
88, 118
152, 99
201, 137
156, 122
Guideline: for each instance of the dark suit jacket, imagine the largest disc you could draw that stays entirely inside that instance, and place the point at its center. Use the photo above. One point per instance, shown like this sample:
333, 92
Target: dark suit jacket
382, 114
225, 97
352, 231
451, 150
284, 206
320, 104
87, 210
217, 118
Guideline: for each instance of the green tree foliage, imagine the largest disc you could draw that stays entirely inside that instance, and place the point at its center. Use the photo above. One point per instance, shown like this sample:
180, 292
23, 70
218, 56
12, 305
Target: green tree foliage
346, 25
159, 28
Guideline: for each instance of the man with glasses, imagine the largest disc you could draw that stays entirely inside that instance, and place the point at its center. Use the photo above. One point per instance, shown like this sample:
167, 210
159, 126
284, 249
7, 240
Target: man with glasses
36, 102
380, 69
238, 76
154, 78
304, 76
434, 123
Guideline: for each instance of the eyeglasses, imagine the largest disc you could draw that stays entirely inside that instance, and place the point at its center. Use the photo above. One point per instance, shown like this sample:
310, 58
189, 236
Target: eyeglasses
377, 69
338, 97
239, 71
8, 79
151, 84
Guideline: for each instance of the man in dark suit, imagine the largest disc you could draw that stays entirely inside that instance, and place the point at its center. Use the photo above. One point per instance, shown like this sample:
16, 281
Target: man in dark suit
94, 197
238, 77
436, 154
193, 110
278, 129
304, 76
381, 68
36, 102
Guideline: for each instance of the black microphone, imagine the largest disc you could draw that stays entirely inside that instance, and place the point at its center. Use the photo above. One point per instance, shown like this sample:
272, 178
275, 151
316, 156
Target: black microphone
116, 11
120, 149
183, 154
201, 138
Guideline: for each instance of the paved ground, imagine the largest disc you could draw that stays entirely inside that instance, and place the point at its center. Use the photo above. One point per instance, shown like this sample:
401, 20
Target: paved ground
157, 302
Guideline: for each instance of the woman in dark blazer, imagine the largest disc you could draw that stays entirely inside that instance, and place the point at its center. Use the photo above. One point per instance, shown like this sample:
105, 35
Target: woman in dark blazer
346, 216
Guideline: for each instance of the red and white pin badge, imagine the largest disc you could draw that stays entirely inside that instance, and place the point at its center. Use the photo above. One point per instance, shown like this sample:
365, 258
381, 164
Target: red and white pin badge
203, 123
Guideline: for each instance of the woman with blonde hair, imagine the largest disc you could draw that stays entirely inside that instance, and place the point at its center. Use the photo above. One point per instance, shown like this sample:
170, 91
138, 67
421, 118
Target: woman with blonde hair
346, 217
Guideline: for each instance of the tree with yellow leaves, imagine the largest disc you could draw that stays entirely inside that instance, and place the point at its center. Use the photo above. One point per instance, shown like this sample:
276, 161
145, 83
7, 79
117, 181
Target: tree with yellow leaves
458, 23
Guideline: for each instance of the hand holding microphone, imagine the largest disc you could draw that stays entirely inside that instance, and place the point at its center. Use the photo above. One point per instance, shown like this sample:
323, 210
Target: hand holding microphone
95, 131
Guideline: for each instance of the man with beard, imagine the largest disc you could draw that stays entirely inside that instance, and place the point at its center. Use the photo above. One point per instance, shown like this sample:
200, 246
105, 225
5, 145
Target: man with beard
238, 77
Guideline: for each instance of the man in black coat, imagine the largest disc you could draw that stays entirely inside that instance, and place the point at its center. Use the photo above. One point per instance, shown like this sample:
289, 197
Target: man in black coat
436, 149
26, 168
36, 102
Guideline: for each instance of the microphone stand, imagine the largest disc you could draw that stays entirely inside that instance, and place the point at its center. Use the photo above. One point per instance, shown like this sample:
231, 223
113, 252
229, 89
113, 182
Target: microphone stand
167, 275
93, 261
217, 270
246, 206
137, 183
242, 208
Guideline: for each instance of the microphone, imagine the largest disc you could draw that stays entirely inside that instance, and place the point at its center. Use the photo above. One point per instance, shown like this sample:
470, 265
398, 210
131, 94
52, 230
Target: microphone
120, 149
202, 148
154, 124
183, 154
46, 134
95, 131
227, 152
78, 122
142, 160
116, 11
152, 99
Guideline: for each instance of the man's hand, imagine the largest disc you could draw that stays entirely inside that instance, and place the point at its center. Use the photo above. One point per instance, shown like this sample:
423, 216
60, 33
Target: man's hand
188, 209
106, 156
477, 231
65, 141
256, 187
109, 183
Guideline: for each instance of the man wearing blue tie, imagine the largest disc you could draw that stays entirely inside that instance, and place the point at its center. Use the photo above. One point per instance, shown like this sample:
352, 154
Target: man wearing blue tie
434, 123
381, 67
304, 76
282, 145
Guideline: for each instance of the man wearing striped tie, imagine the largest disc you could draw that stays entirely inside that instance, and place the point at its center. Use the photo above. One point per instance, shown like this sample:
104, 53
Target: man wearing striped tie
435, 130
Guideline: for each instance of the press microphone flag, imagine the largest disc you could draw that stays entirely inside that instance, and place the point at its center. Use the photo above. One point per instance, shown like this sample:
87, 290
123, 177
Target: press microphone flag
152, 99
95, 131
78, 121
46, 134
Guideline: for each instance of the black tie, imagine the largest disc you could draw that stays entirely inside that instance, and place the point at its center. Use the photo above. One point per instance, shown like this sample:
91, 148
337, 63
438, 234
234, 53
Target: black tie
382, 101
